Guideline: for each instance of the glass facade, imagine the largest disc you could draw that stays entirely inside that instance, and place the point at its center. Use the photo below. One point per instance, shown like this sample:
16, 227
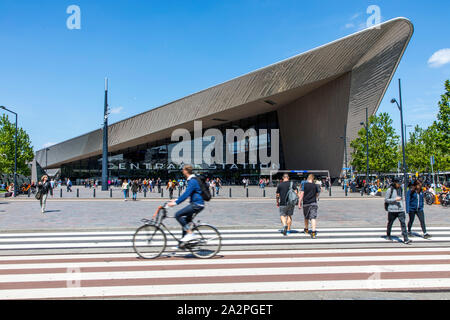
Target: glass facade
156, 159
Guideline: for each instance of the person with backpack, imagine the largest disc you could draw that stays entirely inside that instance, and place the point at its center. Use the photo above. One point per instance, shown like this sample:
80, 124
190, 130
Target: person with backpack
44, 188
394, 206
287, 199
197, 192
309, 195
414, 206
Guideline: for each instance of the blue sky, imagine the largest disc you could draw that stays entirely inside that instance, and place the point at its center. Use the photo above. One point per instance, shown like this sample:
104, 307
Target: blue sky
154, 52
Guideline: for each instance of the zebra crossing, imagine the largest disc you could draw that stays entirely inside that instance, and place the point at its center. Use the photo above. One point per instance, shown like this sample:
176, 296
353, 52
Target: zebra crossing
231, 238
72, 276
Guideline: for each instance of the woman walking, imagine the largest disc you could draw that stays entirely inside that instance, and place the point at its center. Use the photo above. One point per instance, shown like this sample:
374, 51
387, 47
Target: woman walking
414, 206
125, 187
135, 189
44, 187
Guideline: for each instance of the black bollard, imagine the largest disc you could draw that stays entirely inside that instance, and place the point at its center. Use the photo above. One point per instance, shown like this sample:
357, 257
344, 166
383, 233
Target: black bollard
110, 193
264, 193
60, 193
78, 193
145, 193
94, 192
230, 192
179, 192
247, 192
162, 193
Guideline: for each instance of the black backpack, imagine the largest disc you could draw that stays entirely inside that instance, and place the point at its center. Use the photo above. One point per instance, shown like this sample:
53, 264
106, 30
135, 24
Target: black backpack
206, 194
386, 205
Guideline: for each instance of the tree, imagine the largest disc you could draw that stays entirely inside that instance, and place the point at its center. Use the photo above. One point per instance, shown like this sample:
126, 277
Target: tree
383, 146
439, 133
433, 141
25, 152
417, 151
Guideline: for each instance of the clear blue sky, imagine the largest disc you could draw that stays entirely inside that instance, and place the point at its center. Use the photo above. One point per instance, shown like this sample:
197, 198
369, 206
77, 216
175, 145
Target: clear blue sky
154, 52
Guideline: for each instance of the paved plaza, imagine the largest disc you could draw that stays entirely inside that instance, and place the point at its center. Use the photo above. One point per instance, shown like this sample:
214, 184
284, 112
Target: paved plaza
105, 214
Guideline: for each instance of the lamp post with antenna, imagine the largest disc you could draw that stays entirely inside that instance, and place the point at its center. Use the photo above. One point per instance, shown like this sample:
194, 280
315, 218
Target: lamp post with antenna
400, 108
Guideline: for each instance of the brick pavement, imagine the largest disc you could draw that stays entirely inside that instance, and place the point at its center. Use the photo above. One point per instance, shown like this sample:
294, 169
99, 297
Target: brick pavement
104, 214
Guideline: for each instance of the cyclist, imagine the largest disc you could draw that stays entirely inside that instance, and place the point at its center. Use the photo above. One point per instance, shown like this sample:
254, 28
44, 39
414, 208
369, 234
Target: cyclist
197, 204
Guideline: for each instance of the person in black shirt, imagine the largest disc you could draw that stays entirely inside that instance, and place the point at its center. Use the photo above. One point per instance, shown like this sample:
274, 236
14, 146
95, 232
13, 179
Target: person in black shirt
309, 195
286, 211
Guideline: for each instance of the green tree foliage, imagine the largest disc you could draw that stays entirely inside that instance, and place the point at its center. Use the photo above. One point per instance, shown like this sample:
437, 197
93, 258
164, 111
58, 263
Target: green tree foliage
25, 152
383, 146
433, 141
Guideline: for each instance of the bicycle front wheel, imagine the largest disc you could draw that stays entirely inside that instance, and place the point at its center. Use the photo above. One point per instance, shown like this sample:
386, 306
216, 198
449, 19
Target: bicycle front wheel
208, 243
149, 242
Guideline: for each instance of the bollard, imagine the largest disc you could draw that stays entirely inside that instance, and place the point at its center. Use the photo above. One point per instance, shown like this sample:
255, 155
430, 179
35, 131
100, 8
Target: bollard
247, 192
264, 193
29, 193
213, 193
346, 192
94, 192
78, 193
230, 192
110, 193
60, 193
179, 192
162, 193
329, 189
145, 193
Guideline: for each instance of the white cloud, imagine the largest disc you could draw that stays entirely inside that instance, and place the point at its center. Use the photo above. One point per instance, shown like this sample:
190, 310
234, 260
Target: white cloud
48, 144
116, 110
349, 26
439, 58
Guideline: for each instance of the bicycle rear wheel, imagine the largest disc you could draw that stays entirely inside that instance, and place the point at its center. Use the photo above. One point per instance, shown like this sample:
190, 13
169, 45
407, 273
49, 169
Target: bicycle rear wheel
149, 242
208, 243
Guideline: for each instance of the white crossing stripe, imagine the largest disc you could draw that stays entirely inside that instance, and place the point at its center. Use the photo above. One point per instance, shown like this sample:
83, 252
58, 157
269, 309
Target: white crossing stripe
124, 275
230, 238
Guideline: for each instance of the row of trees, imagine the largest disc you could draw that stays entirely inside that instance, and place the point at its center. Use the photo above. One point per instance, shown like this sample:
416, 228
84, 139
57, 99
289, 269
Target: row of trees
25, 152
385, 150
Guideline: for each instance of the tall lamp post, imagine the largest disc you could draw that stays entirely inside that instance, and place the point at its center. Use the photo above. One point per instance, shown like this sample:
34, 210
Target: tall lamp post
15, 152
105, 175
400, 108
345, 149
366, 126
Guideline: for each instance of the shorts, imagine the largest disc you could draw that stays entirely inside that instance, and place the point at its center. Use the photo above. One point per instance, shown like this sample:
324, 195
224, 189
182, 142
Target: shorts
310, 211
286, 211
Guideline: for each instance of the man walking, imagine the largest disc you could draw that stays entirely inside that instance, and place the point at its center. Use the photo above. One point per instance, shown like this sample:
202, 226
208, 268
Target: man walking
309, 195
394, 206
286, 209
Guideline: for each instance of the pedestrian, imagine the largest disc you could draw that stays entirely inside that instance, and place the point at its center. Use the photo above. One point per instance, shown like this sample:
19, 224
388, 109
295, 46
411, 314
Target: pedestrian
125, 187
170, 187
69, 185
414, 206
286, 209
44, 187
218, 186
394, 206
134, 189
309, 194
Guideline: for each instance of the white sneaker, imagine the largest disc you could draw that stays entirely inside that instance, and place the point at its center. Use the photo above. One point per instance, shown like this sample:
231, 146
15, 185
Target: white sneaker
188, 237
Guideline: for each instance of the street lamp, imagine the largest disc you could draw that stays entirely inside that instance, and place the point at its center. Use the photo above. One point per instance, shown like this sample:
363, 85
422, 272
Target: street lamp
15, 152
366, 126
400, 108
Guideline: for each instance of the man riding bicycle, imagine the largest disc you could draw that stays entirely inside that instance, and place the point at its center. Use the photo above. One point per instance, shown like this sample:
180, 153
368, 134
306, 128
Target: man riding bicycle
197, 204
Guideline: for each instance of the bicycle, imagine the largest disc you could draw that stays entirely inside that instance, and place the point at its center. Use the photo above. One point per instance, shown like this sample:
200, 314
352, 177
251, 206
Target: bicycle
150, 240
